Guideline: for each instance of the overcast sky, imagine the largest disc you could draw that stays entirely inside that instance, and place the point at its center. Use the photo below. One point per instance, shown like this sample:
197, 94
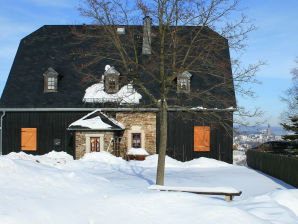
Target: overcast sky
275, 41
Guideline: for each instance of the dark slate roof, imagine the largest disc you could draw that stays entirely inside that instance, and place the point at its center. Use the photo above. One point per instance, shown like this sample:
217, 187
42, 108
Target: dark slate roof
56, 46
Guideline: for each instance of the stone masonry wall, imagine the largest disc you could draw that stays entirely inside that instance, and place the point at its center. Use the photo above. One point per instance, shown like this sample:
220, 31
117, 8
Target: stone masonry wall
80, 141
138, 122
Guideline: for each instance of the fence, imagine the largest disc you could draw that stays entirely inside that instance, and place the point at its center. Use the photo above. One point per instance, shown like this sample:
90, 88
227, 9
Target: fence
279, 166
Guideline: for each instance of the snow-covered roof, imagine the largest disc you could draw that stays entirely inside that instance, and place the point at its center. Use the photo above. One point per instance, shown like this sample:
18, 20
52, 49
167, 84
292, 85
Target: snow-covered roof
185, 74
126, 95
96, 120
204, 108
110, 70
50, 72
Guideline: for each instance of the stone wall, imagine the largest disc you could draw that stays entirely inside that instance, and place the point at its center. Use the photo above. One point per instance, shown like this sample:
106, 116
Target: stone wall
82, 136
135, 122
138, 122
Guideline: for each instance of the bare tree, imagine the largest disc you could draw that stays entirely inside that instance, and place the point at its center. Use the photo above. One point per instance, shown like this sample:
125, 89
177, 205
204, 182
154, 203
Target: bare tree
291, 97
182, 39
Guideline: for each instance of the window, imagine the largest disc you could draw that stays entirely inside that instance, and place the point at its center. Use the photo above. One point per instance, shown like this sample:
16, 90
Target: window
112, 83
51, 81
94, 144
201, 138
111, 79
121, 30
183, 82
28, 139
136, 140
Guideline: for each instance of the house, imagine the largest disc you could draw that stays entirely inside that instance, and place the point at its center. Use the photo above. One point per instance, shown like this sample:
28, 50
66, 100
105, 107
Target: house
48, 104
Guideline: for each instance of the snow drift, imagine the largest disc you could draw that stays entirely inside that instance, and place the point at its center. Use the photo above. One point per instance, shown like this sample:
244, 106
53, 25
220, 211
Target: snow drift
54, 188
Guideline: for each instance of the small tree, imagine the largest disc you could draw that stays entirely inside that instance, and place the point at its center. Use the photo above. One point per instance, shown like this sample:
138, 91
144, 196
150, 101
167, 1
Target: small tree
293, 126
198, 50
291, 99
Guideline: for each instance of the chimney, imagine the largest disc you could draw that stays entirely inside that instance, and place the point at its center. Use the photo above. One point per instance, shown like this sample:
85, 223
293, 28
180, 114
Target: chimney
147, 22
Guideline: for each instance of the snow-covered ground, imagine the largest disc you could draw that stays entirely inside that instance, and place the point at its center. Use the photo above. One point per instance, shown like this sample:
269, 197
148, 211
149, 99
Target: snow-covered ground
101, 188
239, 157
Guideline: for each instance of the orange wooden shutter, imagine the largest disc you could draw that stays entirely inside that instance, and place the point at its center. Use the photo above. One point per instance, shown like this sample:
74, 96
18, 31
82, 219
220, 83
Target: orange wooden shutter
201, 138
28, 139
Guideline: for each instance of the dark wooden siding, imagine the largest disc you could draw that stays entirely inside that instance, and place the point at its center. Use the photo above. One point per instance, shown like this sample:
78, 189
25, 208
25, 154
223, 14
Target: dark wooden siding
181, 135
50, 126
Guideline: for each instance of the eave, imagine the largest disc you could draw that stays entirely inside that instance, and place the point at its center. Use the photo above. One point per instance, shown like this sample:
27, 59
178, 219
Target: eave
113, 109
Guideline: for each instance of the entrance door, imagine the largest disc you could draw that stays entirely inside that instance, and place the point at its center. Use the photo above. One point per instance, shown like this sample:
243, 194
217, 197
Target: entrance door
94, 144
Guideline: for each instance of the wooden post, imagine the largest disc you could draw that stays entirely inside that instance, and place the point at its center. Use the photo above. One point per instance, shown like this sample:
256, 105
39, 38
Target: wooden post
229, 198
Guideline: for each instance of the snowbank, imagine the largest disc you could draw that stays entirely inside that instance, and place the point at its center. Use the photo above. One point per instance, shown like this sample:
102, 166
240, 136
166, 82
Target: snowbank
52, 158
137, 151
99, 184
202, 162
103, 157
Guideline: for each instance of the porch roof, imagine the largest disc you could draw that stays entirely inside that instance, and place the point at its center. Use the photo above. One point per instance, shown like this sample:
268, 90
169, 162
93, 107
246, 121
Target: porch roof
96, 120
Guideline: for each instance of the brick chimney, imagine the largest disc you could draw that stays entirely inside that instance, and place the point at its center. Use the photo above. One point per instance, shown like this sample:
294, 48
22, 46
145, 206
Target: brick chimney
146, 48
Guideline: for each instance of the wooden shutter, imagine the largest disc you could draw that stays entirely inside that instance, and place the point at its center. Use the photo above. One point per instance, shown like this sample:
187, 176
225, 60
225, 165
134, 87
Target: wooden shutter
28, 139
201, 138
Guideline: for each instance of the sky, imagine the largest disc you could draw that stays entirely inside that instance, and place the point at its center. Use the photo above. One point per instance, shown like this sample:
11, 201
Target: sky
274, 42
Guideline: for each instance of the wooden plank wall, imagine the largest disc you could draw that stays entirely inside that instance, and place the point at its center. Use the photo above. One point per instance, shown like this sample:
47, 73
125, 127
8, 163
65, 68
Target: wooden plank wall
181, 132
50, 126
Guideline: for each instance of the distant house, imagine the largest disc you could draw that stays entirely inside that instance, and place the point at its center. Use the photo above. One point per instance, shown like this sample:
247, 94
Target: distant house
48, 107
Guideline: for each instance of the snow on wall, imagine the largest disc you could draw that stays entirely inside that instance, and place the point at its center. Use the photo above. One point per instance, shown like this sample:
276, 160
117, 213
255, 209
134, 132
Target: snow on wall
126, 95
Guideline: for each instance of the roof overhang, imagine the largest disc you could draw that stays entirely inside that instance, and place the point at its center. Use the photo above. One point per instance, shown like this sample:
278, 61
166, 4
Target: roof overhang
124, 109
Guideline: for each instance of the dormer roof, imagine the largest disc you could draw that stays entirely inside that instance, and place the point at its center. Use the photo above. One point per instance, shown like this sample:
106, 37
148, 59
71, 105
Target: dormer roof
111, 71
50, 72
185, 74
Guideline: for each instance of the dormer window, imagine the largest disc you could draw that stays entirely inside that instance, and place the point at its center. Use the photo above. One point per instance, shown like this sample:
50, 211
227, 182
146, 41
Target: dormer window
111, 83
121, 30
183, 82
50, 80
111, 79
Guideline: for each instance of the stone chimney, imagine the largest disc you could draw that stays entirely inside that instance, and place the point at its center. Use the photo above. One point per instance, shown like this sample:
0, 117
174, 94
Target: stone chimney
147, 22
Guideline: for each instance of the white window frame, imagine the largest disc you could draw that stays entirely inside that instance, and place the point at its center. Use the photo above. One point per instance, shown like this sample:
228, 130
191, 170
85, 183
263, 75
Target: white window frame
136, 129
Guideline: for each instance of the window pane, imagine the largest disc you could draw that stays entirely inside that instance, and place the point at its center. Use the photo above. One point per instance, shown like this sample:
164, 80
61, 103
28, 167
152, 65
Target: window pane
136, 140
183, 84
51, 83
112, 83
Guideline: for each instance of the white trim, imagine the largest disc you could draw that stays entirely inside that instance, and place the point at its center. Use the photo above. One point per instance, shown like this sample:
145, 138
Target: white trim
101, 136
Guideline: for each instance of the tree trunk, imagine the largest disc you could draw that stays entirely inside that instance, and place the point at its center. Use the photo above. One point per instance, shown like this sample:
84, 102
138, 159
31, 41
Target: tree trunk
162, 143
